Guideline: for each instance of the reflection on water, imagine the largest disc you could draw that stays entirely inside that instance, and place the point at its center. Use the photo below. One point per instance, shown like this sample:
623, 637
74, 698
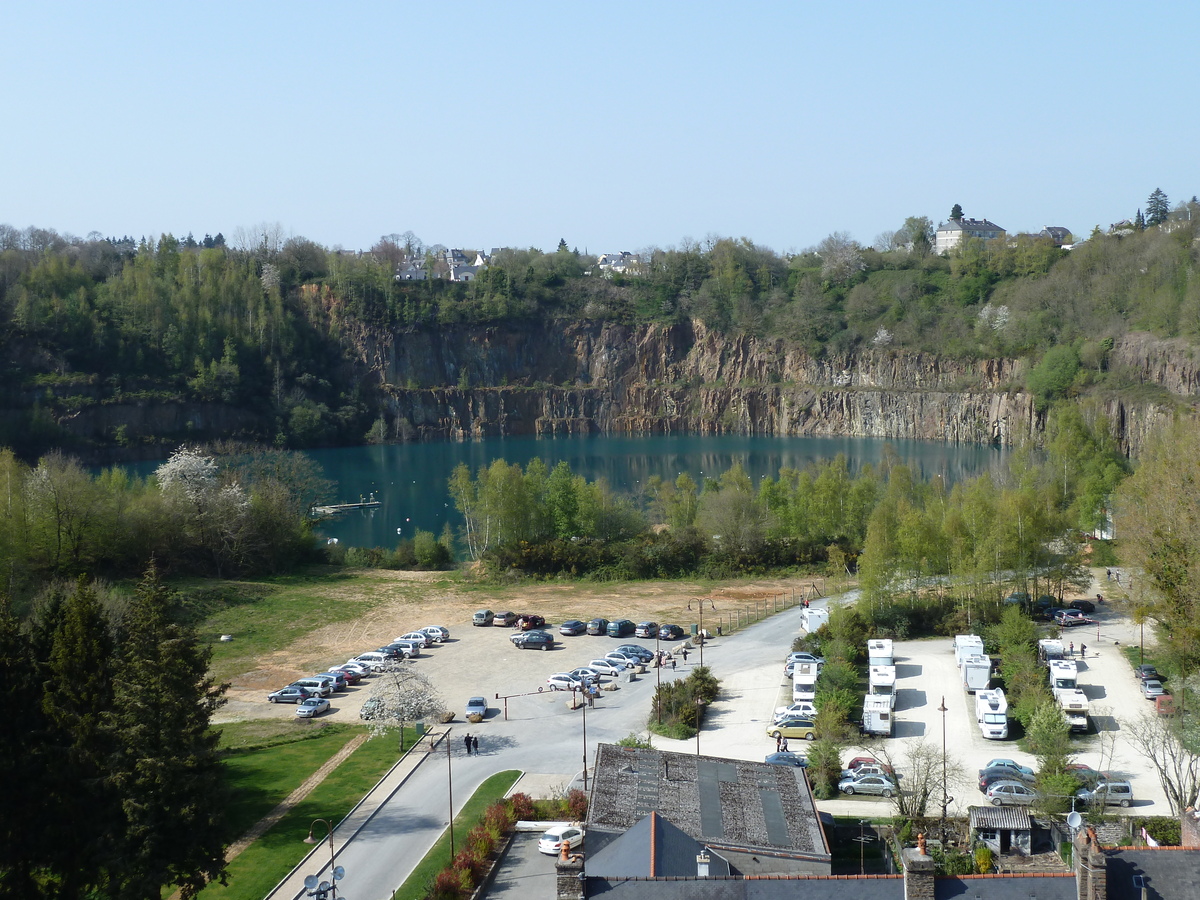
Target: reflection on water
410, 480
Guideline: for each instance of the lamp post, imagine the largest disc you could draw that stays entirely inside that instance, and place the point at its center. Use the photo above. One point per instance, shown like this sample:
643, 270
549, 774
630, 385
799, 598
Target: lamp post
700, 609
450, 790
585, 706
945, 798
324, 890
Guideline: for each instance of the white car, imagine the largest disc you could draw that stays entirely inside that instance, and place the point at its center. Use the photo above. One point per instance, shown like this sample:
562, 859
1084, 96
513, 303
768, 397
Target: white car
361, 669
476, 706
625, 659
564, 681
804, 709
377, 662
419, 638
553, 840
586, 673
607, 666
311, 707
438, 632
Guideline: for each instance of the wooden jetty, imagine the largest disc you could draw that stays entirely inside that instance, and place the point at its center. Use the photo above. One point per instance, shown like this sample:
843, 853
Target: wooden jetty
333, 509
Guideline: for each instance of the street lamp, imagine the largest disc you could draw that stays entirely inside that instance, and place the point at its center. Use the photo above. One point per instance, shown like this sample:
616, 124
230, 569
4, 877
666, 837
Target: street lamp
450, 788
324, 890
585, 706
700, 609
945, 798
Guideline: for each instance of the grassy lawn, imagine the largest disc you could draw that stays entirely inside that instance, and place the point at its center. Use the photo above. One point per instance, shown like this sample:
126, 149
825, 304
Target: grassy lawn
438, 858
274, 761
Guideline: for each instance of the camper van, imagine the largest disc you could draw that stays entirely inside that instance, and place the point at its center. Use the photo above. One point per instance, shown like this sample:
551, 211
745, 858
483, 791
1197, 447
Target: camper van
883, 683
812, 619
1064, 675
804, 688
877, 715
991, 711
1050, 648
1074, 705
966, 645
976, 673
879, 652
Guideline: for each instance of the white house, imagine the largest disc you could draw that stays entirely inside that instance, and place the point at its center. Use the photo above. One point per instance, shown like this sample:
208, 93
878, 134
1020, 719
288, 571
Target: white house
957, 231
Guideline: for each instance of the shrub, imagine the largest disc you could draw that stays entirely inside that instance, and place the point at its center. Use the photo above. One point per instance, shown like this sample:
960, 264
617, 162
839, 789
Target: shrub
635, 741
481, 841
522, 807
984, 860
577, 804
450, 884
470, 863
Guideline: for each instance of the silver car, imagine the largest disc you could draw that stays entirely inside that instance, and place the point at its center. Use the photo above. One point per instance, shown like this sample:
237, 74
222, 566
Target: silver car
439, 633
880, 785
607, 666
1011, 793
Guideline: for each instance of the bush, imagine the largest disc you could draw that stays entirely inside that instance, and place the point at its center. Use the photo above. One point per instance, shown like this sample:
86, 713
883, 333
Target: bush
450, 884
522, 807
577, 804
984, 860
635, 741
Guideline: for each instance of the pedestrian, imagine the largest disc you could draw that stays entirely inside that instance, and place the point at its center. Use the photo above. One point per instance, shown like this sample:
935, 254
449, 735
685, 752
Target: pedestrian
467, 742
683, 653
1082, 650
783, 746
1099, 598
1071, 646
475, 744
778, 742
1108, 574
673, 662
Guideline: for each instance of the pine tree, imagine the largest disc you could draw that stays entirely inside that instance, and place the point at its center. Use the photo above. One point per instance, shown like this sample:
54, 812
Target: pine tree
1139, 221
956, 212
166, 767
1157, 208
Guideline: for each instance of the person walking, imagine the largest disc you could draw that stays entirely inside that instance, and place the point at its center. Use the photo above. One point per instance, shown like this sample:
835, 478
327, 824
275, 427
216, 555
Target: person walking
1071, 648
467, 742
1082, 650
475, 744
784, 746
683, 653
673, 662
778, 742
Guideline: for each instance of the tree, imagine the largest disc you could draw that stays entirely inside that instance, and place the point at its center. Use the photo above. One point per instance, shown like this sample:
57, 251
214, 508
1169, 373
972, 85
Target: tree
1173, 752
166, 769
841, 257
404, 695
918, 231
1158, 208
956, 213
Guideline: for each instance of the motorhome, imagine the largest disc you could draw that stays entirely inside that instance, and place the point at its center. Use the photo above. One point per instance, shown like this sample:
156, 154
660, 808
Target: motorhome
1074, 705
879, 652
813, 618
882, 683
877, 715
976, 673
1050, 648
966, 645
804, 687
1064, 675
991, 711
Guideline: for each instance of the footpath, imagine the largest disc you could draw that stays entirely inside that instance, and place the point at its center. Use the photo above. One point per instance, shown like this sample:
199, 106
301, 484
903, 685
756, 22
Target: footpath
318, 859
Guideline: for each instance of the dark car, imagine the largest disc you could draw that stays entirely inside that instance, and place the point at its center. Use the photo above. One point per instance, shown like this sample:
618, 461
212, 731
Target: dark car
505, 619
1086, 606
669, 632
988, 777
395, 652
645, 654
533, 640
646, 629
528, 623
572, 627
1147, 672
598, 626
619, 628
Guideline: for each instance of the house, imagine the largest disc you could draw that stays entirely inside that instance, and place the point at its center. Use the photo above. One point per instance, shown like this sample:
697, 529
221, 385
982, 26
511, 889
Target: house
619, 263
956, 232
1005, 829
1057, 235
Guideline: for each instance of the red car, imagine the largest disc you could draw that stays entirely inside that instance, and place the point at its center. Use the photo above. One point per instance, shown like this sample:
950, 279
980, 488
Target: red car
528, 623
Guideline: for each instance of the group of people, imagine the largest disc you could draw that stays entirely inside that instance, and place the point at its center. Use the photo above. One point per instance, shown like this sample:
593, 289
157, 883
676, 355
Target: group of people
1071, 649
781, 744
471, 743
666, 660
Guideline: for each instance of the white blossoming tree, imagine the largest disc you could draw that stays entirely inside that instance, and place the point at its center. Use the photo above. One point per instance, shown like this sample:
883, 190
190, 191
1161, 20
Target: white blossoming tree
215, 516
401, 696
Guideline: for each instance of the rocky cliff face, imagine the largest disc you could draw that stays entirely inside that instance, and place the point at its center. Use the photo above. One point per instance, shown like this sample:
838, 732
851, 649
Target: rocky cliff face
550, 379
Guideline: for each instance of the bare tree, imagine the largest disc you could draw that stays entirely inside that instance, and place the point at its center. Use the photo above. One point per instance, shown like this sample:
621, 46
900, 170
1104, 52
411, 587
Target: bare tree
1177, 765
923, 766
400, 696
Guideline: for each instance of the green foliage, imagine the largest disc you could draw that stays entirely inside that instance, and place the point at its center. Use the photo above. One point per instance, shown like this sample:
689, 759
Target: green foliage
1054, 374
678, 706
984, 860
635, 741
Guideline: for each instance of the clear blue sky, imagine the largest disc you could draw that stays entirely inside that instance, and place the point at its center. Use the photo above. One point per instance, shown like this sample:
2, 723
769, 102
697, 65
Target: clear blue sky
616, 126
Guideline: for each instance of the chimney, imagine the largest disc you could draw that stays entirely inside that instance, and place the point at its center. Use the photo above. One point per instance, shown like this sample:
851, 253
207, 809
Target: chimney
918, 872
702, 864
1189, 829
570, 884
1091, 872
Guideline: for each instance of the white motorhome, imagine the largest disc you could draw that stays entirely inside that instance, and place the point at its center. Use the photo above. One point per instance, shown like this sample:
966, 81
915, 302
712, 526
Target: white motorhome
991, 711
804, 688
1050, 648
812, 619
966, 645
877, 715
1074, 705
882, 681
976, 673
1064, 675
879, 652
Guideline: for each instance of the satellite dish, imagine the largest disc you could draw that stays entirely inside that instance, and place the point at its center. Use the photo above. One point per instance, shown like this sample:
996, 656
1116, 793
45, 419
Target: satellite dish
339, 873
310, 881
1074, 820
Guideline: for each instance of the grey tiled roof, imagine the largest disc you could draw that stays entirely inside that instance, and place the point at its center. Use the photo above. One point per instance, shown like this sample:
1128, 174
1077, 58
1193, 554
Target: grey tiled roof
652, 847
990, 818
863, 887
1169, 873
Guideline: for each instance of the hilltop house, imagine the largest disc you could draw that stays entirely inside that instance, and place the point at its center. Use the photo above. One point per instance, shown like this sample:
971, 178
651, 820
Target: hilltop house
957, 231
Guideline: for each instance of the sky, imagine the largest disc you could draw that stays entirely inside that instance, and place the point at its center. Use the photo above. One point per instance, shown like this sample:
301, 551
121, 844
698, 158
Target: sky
615, 126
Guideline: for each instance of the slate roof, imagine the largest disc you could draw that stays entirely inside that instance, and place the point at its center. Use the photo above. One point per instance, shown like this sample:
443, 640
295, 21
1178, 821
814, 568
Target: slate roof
1025, 886
1169, 873
969, 225
652, 848
731, 803
993, 818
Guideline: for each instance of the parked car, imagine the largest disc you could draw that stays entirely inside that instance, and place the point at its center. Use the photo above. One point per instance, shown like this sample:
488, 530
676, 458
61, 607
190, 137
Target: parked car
530, 622
881, 785
552, 841
786, 758
586, 673
597, 626
362, 669
645, 654
372, 707
317, 686
420, 638
869, 769
1010, 793
483, 617
289, 694
802, 656
1087, 776
439, 633
313, 706
607, 666
1152, 688
619, 628
625, 659
507, 619
1108, 793
476, 706
1146, 672
407, 649
352, 676
375, 660
646, 629
803, 709
793, 728
1086, 606
1069, 618
338, 679
533, 640
669, 632
988, 777
564, 681
572, 627
1001, 763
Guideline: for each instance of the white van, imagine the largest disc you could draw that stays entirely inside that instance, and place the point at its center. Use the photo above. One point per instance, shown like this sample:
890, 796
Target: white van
321, 686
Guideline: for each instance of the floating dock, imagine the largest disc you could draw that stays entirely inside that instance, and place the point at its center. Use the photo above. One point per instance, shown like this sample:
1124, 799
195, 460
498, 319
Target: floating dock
333, 509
